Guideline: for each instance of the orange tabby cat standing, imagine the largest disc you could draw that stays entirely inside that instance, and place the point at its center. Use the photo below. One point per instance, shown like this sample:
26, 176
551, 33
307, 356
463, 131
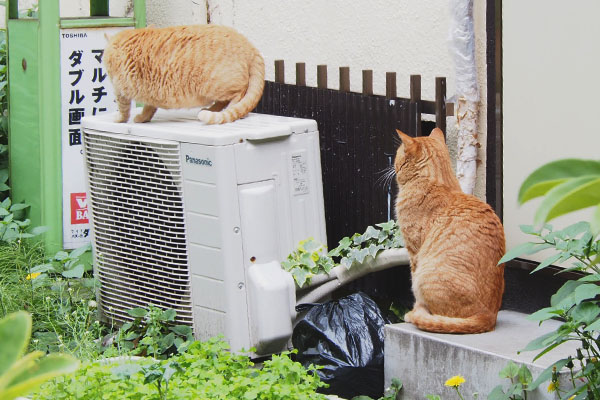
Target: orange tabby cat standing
185, 67
454, 241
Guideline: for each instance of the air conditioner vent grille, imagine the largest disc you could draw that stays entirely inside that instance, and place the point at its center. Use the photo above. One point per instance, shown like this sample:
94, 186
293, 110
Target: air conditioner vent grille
139, 226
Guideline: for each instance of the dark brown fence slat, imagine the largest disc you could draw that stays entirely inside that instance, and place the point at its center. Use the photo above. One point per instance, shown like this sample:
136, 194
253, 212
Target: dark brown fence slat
279, 71
415, 106
344, 79
367, 82
390, 85
440, 103
300, 74
322, 76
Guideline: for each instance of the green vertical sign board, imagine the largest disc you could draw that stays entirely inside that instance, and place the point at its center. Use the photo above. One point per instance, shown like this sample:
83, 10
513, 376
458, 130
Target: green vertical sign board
56, 77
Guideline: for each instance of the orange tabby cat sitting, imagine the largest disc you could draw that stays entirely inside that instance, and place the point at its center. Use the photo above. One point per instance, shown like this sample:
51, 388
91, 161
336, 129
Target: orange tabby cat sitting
454, 241
185, 67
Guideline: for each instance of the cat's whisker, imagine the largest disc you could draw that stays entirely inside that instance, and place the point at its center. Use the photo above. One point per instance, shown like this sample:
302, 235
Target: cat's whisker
386, 177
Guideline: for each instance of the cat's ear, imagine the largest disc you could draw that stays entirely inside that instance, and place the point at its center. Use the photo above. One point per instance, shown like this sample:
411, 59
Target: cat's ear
406, 140
438, 135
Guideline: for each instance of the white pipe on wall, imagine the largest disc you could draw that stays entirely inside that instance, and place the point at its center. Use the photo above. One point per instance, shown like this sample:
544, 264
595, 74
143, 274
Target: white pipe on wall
462, 49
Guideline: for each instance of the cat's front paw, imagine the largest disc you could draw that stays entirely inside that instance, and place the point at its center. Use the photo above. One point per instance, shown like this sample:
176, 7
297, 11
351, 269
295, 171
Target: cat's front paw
140, 119
408, 316
121, 118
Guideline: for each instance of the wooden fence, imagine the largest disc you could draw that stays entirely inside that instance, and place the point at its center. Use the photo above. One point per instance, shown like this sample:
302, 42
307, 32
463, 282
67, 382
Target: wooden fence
357, 137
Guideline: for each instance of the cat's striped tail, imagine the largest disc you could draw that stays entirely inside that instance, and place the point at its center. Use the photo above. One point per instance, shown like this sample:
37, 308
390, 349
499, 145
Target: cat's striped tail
256, 84
477, 323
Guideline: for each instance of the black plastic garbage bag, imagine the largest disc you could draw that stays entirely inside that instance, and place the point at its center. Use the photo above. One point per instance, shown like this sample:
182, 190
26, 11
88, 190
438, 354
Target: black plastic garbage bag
345, 337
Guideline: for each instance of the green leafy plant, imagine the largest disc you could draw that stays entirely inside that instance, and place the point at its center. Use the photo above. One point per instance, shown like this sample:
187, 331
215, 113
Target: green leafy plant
20, 374
568, 185
520, 380
308, 260
353, 250
311, 258
206, 370
14, 224
63, 309
153, 333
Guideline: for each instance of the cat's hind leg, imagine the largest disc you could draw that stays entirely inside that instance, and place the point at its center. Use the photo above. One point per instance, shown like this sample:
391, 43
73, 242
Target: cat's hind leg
417, 308
217, 106
124, 104
146, 114
478, 323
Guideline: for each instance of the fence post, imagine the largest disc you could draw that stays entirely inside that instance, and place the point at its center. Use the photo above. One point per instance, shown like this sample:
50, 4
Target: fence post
390, 85
279, 71
344, 79
440, 104
415, 105
367, 81
322, 76
300, 74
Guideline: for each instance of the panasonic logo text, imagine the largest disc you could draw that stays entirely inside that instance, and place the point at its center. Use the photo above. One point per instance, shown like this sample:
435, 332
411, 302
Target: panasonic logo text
198, 161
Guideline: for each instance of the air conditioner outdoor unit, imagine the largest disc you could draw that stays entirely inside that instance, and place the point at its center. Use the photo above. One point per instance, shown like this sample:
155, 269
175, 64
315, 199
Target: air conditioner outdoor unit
198, 217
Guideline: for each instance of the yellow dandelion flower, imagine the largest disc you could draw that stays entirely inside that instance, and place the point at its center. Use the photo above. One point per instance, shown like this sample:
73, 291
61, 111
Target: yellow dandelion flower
33, 275
455, 381
551, 387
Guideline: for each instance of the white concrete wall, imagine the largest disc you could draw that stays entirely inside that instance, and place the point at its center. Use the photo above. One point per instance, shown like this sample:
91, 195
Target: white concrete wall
550, 66
406, 37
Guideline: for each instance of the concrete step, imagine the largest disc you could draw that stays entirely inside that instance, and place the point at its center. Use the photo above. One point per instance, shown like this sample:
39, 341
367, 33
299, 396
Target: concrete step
423, 361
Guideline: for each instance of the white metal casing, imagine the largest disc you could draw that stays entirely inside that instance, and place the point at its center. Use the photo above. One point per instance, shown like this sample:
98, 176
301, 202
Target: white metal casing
207, 205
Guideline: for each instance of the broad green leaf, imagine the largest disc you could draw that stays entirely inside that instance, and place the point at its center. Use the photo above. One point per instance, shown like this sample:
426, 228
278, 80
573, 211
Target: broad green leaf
181, 330
548, 261
19, 206
586, 291
576, 229
300, 276
523, 249
525, 376
167, 341
529, 229
15, 331
509, 371
61, 255
585, 312
370, 233
567, 289
574, 194
137, 312
544, 314
76, 272
46, 368
542, 341
42, 268
80, 250
546, 375
38, 230
311, 246
168, 315
543, 179
497, 394
595, 326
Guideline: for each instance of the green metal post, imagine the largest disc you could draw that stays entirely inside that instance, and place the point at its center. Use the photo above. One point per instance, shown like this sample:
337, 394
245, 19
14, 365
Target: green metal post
99, 8
50, 121
35, 125
139, 12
